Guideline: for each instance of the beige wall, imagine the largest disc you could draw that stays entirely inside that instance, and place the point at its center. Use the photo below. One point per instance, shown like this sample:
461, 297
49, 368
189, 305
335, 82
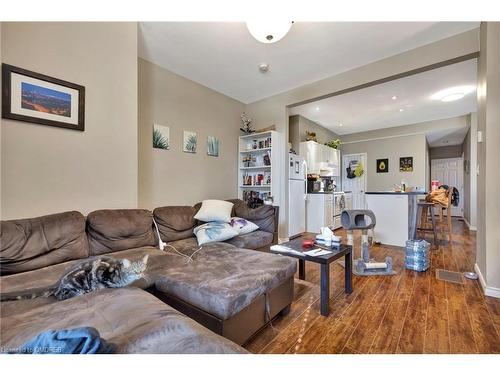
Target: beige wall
273, 110
488, 237
297, 131
173, 177
47, 169
392, 149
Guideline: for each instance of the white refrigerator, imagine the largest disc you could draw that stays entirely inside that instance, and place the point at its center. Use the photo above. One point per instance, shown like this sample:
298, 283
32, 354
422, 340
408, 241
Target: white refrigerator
297, 195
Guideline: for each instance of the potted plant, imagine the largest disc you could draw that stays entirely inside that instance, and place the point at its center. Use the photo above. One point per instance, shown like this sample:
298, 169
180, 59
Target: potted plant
334, 143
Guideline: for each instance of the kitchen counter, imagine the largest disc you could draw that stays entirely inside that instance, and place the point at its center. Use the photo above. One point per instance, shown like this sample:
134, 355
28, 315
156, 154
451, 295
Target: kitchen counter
396, 215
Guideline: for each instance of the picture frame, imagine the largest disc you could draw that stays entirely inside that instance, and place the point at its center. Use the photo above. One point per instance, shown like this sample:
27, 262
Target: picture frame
212, 146
406, 164
190, 142
382, 165
40, 99
161, 136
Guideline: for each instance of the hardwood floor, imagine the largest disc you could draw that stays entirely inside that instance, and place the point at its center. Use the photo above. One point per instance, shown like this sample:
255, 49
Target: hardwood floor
410, 312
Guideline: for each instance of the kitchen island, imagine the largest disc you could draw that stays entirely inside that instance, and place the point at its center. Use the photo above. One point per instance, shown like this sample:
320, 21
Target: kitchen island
396, 215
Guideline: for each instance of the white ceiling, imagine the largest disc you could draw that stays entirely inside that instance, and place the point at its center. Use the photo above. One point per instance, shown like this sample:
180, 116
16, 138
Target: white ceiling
225, 57
447, 137
373, 108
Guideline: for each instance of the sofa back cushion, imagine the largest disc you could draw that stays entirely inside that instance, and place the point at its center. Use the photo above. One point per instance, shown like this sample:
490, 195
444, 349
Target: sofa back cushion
263, 216
115, 230
29, 244
175, 222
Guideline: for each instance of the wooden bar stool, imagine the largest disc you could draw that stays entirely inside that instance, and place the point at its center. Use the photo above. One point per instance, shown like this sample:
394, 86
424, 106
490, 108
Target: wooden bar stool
423, 210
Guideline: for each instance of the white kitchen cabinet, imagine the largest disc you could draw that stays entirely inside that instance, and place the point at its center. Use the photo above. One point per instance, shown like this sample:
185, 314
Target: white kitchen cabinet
320, 159
319, 212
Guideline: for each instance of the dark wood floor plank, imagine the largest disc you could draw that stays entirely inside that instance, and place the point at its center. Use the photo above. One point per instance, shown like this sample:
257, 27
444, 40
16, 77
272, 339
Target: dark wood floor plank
409, 313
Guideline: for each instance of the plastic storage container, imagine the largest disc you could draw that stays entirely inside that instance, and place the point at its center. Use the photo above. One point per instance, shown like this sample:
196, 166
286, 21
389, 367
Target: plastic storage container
417, 255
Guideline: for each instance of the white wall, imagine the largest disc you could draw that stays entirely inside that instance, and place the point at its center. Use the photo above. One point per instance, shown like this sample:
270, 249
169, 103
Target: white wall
273, 110
47, 169
488, 116
173, 177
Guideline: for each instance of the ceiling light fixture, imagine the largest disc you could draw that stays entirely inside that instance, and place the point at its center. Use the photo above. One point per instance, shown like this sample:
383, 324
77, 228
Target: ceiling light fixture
401, 109
394, 97
264, 67
268, 31
341, 124
317, 108
453, 93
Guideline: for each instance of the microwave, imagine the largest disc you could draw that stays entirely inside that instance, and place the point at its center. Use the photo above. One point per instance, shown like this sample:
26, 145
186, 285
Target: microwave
314, 186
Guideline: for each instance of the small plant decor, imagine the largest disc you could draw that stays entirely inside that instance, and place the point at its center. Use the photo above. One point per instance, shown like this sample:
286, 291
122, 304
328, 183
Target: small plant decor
334, 143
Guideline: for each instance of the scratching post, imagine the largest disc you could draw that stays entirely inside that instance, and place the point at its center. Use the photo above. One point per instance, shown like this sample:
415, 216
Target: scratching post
365, 221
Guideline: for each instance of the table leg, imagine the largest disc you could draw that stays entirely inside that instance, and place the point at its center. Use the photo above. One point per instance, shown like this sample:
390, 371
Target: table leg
302, 269
348, 273
325, 288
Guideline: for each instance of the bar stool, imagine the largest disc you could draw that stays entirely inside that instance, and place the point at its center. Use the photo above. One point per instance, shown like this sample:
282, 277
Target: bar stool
423, 209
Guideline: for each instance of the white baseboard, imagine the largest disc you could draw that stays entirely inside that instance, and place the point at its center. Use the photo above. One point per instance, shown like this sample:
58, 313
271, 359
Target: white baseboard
488, 290
471, 227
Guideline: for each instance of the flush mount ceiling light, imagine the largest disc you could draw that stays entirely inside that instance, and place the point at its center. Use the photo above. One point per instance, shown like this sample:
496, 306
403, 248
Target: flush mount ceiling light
317, 108
268, 31
453, 93
394, 97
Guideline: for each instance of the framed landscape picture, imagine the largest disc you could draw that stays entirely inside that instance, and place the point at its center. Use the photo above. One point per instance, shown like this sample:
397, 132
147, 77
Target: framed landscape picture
406, 164
212, 146
382, 165
40, 99
161, 136
190, 142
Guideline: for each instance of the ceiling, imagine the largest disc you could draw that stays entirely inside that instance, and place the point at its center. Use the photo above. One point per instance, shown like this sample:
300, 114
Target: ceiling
374, 107
447, 137
225, 57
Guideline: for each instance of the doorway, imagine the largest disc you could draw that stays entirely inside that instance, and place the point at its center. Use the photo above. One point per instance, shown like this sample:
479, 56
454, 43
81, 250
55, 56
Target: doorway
450, 172
356, 186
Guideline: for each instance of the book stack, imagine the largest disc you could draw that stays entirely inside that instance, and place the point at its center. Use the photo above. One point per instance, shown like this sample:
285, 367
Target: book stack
417, 255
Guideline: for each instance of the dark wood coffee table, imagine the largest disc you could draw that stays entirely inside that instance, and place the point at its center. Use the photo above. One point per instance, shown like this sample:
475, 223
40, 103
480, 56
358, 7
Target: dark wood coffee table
324, 261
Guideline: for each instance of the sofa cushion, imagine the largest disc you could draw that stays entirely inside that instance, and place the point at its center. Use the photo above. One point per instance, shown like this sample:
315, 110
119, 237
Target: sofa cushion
243, 226
252, 240
214, 232
214, 210
114, 230
223, 280
264, 216
175, 222
45, 277
29, 244
132, 319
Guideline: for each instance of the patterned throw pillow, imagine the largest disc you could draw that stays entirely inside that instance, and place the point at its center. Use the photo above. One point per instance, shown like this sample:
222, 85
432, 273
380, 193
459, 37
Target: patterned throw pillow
243, 226
214, 232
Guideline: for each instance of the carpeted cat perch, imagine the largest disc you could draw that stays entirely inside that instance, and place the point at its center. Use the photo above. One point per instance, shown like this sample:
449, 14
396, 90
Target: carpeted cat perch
364, 220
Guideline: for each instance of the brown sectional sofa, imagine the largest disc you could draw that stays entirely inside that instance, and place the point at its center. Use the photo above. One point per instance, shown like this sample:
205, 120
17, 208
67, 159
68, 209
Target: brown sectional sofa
230, 290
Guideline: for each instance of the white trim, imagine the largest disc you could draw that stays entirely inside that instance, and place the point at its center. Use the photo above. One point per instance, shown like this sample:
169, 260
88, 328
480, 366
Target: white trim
384, 137
471, 227
488, 290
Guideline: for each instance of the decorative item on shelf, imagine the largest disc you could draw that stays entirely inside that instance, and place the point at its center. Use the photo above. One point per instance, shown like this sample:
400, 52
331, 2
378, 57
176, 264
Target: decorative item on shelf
311, 136
212, 146
190, 142
267, 158
161, 137
247, 124
40, 99
247, 161
334, 143
406, 164
255, 144
382, 165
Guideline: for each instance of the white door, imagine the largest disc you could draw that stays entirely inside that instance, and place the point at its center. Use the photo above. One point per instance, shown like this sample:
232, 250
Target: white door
356, 185
450, 172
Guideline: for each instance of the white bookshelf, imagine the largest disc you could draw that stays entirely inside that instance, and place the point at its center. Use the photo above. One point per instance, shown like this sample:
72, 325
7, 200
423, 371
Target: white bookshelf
259, 168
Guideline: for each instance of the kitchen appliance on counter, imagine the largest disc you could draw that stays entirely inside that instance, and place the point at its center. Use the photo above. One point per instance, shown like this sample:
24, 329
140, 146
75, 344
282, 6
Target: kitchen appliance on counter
297, 194
320, 184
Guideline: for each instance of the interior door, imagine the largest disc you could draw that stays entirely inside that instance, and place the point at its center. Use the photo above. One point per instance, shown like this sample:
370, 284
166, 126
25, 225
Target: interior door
356, 185
450, 172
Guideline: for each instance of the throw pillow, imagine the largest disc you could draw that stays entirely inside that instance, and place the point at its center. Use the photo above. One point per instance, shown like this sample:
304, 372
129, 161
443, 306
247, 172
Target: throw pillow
214, 232
214, 210
243, 226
